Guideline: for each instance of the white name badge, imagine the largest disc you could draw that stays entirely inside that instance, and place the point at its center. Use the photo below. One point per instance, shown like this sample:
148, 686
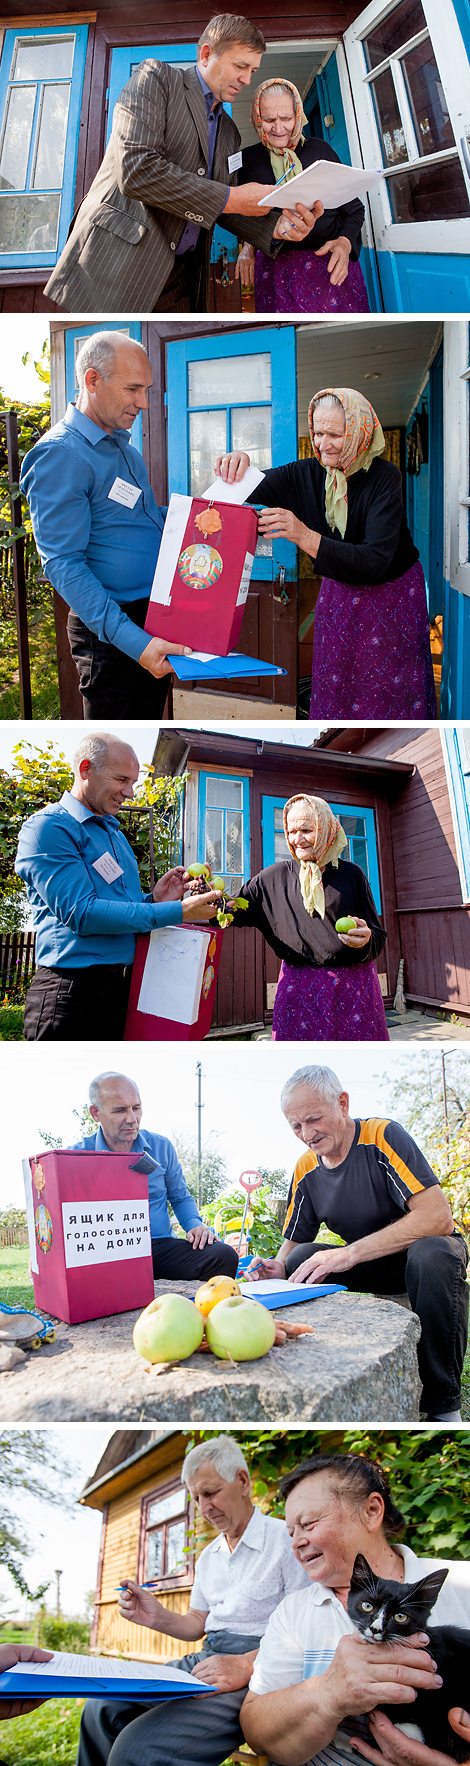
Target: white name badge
234, 162
122, 492
107, 867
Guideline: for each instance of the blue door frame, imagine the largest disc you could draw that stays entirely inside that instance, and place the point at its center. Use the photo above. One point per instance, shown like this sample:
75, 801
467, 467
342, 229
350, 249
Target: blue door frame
37, 258
269, 804
280, 343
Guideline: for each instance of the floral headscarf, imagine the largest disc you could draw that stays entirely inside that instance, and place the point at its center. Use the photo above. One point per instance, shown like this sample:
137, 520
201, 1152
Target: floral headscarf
283, 160
330, 841
363, 440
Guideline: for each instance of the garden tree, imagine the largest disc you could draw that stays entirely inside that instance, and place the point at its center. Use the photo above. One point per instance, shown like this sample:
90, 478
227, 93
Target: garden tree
417, 1100
429, 1474
39, 776
28, 1462
213, 1167
33, 421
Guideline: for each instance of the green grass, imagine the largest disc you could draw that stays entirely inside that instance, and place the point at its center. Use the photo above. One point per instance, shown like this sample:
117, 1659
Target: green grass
16, 1288
44, 1736
43, 663
11, 1023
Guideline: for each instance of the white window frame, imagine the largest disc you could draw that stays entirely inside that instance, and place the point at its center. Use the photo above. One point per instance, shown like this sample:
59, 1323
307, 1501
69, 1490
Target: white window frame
452, 61
457, 454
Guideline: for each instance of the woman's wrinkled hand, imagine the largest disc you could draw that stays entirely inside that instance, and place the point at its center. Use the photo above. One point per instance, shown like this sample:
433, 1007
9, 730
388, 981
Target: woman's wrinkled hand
338, 265
363, 1675
397, 1749
231, 467
295, 224
281, 524
360, 934
245, 266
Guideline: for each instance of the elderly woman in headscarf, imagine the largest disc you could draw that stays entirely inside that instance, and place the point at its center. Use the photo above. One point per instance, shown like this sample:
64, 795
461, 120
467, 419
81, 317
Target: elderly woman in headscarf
371, 652
319, 274
328, 989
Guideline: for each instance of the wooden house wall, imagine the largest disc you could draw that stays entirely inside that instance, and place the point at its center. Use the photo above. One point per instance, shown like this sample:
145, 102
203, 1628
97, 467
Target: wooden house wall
434, 925
113, 1635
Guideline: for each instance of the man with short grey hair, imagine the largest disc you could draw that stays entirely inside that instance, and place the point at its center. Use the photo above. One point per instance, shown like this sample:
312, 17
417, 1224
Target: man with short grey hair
369, 1182
98, 530
240, 1579
86, 899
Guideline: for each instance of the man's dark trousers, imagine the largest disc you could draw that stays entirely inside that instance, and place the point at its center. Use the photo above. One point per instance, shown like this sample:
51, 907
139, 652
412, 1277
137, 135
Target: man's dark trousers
433, 1273
78, 1005
175, 1260
196, 1731
111, 683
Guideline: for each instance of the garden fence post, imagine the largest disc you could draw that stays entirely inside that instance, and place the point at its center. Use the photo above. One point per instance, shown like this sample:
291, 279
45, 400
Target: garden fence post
21, 612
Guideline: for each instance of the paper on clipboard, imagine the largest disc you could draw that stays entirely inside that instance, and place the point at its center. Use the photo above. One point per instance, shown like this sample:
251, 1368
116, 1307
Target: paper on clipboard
174, 968
277, 1292
325, 181
221, 492
95, 1674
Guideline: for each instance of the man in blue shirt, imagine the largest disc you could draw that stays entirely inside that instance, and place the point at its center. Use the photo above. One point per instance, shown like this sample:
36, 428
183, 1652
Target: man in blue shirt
98, 529
87, 904
116, 1106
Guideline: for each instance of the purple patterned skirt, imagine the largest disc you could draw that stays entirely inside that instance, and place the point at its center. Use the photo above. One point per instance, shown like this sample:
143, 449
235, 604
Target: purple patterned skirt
329, 1005
298, 282
371, 650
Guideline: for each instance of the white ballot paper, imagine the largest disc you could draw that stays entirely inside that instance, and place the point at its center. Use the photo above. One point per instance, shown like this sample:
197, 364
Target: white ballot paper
221, 492
279, 1292
174, 968
326, 181
95, 1675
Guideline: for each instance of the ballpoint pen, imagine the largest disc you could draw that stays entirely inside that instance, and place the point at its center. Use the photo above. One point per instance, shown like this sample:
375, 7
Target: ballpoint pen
122, 1585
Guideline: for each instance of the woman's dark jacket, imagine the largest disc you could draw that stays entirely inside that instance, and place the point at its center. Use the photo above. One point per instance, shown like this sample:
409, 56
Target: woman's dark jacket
346, 222
377, 546
276, 908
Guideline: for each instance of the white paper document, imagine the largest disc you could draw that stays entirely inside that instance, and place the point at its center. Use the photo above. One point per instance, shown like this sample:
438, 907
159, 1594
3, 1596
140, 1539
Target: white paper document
105, 1232
179, 510
174, 968
284, 1293
221, 492
326, 181
28, 1678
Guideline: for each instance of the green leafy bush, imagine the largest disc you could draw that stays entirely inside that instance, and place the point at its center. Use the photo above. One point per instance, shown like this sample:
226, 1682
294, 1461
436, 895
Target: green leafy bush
71, 1635
11, 1023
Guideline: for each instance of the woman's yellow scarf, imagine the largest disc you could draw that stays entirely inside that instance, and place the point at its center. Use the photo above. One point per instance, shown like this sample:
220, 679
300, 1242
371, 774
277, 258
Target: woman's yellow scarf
363, 440
330, 841
286, 162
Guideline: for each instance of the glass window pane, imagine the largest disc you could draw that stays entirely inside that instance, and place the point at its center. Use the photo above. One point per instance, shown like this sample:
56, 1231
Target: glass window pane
389, 119
428, 103
353, 824
47, 59
224, 794
176, 1543
166, 1507
50, 150
359, 854
251, 431
207, 439
214, 840
233, 841
228, 377
435, 194
281, 849
29, 223
402, 23
17, 138
155, 1554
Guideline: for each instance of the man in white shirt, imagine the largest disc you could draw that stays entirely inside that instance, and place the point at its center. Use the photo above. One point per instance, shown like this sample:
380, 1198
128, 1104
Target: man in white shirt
313, 1671
240, 1578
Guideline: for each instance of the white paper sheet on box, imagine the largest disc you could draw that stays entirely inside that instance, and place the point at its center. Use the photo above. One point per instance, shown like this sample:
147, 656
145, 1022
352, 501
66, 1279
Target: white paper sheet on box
172, 979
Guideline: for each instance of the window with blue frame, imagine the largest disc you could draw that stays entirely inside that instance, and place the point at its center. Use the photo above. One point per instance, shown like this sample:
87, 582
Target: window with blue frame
75, 337
224, 827
359, 828
456, 739
41, 83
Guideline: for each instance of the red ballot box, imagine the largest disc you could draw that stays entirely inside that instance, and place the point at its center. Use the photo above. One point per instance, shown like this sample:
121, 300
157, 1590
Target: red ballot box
173, 984
89, 1233
203, 572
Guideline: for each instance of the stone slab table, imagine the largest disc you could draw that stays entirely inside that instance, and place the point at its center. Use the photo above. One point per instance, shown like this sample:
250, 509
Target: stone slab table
359, 1366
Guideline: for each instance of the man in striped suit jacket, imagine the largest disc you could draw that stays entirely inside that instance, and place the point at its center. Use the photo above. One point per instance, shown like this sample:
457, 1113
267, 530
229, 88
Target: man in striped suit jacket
141, 238
370, 1184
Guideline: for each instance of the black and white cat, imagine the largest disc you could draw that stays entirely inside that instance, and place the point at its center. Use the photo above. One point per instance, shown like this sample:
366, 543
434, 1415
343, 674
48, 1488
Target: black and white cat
388, 1612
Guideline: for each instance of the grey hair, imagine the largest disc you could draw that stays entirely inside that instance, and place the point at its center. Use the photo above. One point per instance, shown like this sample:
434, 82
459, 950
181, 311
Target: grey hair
330, 402
94, 1089
226, 1456
94, 748
284, 88
99, 352
321, 1080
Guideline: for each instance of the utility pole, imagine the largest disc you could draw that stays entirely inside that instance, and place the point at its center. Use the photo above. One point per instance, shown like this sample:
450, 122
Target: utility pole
57, 1574
199, 1108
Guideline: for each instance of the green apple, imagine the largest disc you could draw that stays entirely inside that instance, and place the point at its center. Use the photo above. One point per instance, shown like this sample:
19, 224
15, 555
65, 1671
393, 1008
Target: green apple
199, 871
239, 1329
346, 925
218, 883
169, 1329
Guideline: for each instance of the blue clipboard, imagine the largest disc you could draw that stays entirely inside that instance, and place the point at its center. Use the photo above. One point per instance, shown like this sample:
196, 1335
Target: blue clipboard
293, 1296
14, 1685
222, 668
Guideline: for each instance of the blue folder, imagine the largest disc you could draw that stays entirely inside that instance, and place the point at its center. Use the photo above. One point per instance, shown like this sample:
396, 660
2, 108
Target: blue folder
274, 1301
15, 1686
222, 668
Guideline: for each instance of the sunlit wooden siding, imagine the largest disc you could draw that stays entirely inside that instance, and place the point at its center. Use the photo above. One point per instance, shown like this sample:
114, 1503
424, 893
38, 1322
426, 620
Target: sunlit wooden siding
120, 1558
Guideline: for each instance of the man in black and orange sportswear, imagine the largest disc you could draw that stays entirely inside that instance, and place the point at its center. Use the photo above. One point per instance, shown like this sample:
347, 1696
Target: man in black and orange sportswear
370, 1184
